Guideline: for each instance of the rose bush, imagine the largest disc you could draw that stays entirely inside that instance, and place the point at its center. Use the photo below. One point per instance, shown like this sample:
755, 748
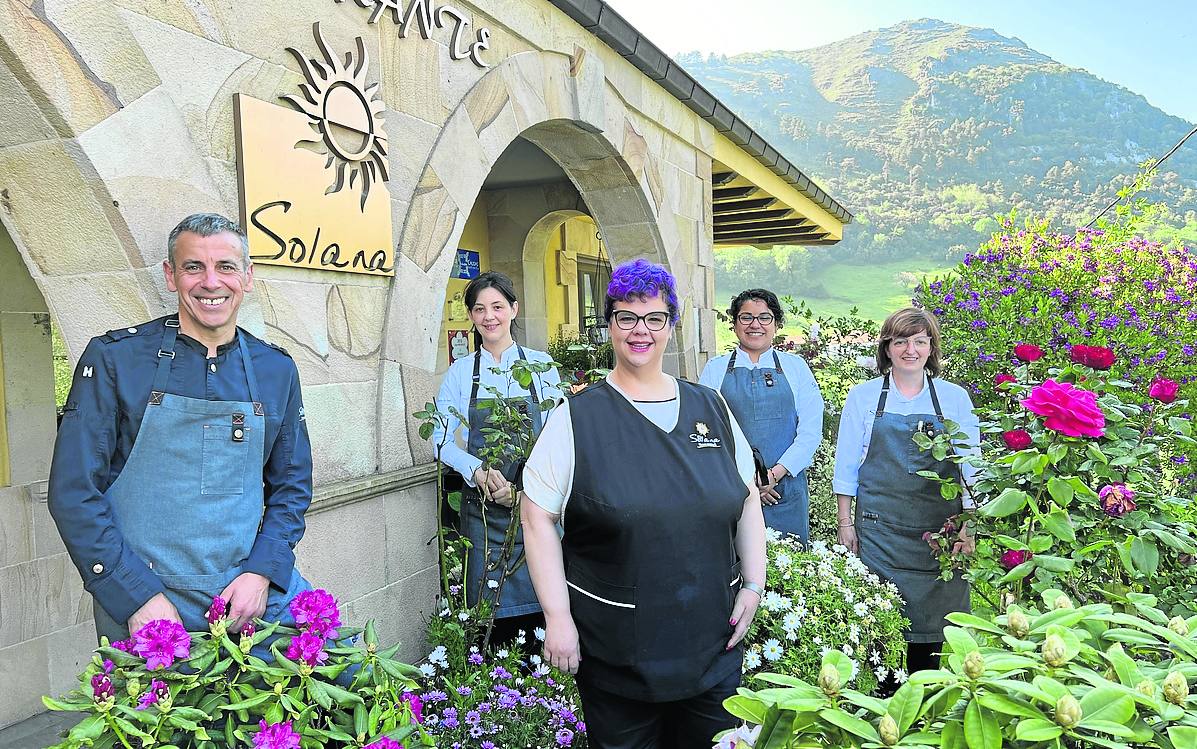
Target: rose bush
206, 690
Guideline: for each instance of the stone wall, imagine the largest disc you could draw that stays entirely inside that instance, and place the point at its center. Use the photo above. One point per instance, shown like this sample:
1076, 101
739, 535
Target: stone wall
118, 122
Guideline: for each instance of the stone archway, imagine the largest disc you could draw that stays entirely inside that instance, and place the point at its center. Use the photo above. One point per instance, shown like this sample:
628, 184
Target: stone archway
534, 310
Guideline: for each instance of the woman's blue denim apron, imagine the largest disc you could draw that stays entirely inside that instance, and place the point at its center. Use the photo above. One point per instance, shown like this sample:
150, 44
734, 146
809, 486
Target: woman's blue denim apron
518, 595
189, 499
762, 401
895, 507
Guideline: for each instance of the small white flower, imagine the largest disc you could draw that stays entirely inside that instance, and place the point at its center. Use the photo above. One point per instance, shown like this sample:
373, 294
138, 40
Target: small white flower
502, 653
444, 612
855, 671
521, 637
875, 658
492, 584
783, 561
854, 633
541, 670
772, 534
791, 635
773, 650
463, 615
792, 620
900, 675
428, 670
847, 650
535, 660
539, 633
861, 609
819, 641
473, 648
881, 672
752, 659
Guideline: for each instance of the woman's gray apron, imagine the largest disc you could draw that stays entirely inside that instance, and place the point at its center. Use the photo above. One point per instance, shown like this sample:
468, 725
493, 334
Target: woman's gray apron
518, 595
762, 401
895, 507
189, 499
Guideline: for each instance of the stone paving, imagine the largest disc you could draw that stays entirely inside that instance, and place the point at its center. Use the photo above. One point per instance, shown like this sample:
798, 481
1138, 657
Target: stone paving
37, 732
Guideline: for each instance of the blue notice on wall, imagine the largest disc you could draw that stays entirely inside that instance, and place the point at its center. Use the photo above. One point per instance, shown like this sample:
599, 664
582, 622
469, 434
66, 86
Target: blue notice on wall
466, 265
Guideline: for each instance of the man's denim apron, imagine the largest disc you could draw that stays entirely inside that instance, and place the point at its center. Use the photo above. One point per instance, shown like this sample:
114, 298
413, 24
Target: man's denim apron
762, 401
895, 507
189, 500
519, 597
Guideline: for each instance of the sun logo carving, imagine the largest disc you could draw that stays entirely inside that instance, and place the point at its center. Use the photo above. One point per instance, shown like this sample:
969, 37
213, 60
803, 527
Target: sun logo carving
346, 115
702, 428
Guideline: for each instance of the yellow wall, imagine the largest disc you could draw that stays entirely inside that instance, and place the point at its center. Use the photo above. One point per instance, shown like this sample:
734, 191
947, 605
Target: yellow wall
476, 237
576, 237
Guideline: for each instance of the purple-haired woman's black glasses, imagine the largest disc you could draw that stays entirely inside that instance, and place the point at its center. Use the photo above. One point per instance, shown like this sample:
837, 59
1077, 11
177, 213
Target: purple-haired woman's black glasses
654, 321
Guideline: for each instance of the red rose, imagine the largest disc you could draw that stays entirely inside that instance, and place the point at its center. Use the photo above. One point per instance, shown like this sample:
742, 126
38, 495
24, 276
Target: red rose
1028, 352
1095, 357
1163, 390
1002, 379
1017, 439
1011, 558
1067, 409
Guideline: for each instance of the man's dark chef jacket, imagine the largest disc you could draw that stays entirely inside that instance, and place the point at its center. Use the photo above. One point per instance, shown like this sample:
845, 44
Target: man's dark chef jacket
109, 396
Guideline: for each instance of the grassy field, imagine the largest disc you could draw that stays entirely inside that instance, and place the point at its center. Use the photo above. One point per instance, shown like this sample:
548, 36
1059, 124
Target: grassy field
874, 289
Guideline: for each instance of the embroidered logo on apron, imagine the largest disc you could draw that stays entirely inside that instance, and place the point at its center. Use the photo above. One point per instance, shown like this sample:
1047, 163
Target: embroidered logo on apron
700, 439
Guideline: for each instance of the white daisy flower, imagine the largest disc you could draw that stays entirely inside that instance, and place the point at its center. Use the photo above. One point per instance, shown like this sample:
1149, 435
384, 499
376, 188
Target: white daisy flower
541, 670
463, 615
428, 670
520, 637
772, 534
792, 620
502, 653
861, 609
752, 659
847, 650
444, 612
875, 658
783, 561
901, 675
535, 660
539, 633
791, 635
772, 649
881, 672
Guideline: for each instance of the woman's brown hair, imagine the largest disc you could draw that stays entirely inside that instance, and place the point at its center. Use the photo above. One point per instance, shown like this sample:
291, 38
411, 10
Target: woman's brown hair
906, 323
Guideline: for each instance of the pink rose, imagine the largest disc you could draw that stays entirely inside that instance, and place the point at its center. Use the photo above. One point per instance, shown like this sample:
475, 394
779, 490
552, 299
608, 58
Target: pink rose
1163, 390
1028, 352
1066, 409
1011, 558
1017, 439
1002, 379
1096, 357
1116, 499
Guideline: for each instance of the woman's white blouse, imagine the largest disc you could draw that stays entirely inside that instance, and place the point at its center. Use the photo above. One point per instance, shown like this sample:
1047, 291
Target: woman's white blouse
856, 425
455, 393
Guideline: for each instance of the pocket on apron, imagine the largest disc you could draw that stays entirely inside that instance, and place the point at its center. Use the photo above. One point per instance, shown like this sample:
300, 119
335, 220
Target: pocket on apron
222, 465
605, 616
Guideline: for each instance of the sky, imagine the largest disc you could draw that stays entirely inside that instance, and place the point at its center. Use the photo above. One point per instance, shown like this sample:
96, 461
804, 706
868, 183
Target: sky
1148, 46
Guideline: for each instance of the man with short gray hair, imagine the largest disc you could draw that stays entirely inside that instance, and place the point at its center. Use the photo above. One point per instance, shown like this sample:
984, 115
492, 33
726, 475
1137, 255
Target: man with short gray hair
182, 469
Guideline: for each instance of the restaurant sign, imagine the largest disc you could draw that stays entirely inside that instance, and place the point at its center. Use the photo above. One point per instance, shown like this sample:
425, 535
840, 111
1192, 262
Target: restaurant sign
312, 178
425, 15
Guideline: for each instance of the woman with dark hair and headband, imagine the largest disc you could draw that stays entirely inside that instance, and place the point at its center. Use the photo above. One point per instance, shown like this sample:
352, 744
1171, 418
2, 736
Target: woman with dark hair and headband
776, 400
492, 306
877, 465
658, 573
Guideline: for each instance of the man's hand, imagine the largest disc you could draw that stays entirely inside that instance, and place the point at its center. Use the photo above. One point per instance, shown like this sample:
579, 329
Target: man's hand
158, 607
494, 486
246, 596
769, 493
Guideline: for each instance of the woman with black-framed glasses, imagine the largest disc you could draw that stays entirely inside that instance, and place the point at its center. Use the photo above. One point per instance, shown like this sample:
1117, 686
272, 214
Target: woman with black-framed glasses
776, 400
658, 573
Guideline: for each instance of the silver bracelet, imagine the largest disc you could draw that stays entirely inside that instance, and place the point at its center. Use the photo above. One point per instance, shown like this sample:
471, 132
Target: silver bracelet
746, 585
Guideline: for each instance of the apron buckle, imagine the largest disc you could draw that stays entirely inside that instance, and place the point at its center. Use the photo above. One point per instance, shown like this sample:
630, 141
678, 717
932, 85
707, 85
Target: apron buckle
156, 397
238, 419
238, 427
258, 410
768, 379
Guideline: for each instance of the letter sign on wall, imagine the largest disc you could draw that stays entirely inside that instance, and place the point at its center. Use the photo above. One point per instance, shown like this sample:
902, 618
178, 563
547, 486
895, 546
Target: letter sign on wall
312, 179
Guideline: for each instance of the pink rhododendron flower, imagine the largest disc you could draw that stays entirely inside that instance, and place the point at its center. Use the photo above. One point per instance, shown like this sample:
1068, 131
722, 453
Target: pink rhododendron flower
1164, 390
316, 610
1028, 352
123, 645
417, 705
308, 647
1017, 439
101, 688
1011, 558
158, 692
248, 629
1002, 379
1067, 409
384, 743
217, 610
160, 642
1095, 357
1116, 499
276, 736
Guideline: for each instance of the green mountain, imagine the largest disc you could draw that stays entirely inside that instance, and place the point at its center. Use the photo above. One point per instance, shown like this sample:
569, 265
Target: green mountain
926, 129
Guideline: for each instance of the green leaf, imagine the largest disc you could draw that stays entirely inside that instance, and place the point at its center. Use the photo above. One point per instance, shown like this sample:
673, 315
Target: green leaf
1145, 555
842, 663
1060, 490
777, 729
245, 704
1052, 563
1010, 501
342, 696
961, 641
1059, 524
974, 622
1105, 726
872, 704
1019, 572
319, 694
453, 499
426, 430
88, 729
1182, 736
852, 725
746, 707
952, 736
981, 729
1006, 705
905, 704
1107, 703
68, 707
1056, 453
1025, 461
1036, 729
1094, 452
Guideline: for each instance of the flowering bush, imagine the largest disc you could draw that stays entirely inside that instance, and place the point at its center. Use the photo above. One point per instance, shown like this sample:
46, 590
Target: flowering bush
498, 698
820, 600
165, 686
1031, 679
1077, 493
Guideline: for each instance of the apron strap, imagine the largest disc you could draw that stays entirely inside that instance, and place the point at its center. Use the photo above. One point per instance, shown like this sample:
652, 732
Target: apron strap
777, 362
882, 398
166, 355
731, 362
250, 379
476, 377
935, 398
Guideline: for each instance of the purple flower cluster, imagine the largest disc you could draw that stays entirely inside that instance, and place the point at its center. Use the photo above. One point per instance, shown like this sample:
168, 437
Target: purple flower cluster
156, 694
161, 642
318, 617
276, 736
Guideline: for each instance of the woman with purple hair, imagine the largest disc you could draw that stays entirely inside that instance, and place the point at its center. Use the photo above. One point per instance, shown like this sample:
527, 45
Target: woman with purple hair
657, 574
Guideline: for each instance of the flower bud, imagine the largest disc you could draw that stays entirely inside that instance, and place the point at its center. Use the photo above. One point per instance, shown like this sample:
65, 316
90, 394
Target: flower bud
1179, 626
1017, 623
1068, 711
1176, 688
829, 680
1062, 602
246, 643
1054, 651
278, 688
1146, 688
889, 730
133, 687
974, 665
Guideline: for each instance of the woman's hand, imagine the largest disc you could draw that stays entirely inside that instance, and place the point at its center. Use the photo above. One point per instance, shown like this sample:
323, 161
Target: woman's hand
846, 535
742, 613
561, 648
966, 543
493, 485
